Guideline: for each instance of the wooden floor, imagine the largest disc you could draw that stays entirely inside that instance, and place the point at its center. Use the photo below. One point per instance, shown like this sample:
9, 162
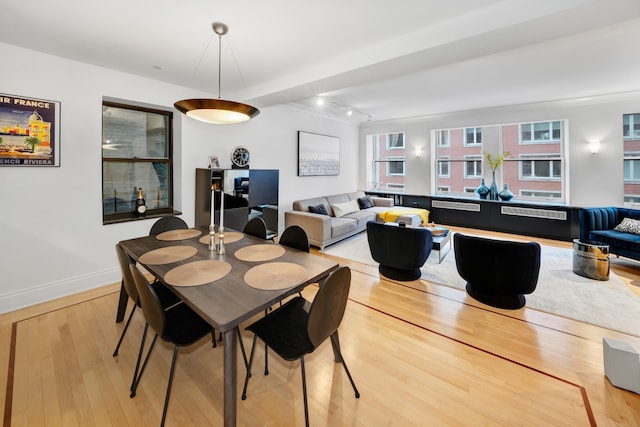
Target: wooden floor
420, 353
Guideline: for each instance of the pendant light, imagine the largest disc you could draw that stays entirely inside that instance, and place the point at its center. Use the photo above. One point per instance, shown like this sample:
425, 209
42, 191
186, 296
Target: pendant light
217, 111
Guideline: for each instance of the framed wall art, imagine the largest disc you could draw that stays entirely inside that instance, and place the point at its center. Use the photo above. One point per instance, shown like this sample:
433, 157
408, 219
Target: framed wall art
318, 155
29, 131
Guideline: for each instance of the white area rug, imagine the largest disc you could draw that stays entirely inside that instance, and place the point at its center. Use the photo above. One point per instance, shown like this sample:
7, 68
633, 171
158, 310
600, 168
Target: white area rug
609, 304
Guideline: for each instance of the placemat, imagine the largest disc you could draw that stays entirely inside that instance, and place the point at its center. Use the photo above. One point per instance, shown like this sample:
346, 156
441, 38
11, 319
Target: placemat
275, 275
172, 235
197, 273
255, 253
168, 255
229, 237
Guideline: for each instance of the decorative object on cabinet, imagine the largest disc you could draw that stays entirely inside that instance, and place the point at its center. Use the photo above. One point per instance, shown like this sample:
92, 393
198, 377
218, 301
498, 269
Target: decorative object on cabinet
318, 155
214, 163
30, 131
217, 111
240, 158
493, 188
482, 190
506, 194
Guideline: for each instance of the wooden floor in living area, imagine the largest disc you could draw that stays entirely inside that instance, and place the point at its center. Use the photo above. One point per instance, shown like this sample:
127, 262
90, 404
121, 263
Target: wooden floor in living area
421, 355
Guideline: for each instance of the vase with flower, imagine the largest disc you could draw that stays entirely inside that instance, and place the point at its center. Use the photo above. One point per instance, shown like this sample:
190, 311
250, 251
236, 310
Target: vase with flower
495, 163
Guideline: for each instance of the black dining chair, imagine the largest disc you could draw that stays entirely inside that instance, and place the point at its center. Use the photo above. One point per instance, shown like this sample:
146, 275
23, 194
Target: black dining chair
297, 329
180, 326
256, 227
167, 223
167, 298
295, 237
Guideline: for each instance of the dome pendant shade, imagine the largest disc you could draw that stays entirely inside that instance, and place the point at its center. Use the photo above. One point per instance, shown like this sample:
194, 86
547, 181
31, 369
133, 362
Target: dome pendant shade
216, 111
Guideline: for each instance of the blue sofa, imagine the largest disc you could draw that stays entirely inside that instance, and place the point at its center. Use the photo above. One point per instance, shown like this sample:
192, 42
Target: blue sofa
598, 224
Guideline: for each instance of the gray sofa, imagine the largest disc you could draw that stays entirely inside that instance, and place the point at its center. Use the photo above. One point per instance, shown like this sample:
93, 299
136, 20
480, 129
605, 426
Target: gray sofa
324, 230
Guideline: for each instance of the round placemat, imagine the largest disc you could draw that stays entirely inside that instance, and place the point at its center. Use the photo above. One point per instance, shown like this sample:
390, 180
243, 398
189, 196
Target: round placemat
257, 253
197, 273
172, 235
229, 237
275, 275
168, 255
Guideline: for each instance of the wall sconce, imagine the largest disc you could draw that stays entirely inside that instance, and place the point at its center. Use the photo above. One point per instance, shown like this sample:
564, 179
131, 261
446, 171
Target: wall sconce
417, 151
594, 146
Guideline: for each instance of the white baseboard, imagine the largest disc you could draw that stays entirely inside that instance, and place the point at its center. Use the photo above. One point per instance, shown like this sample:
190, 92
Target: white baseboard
50, 291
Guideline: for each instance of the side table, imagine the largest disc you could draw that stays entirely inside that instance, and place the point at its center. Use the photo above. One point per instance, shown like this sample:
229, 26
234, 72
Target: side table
591, 259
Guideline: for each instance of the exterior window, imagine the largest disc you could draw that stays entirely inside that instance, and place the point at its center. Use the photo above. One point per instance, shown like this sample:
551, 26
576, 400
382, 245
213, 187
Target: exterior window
136, 153
444, 189
395, 166
631, 126
473, 136
473, 167
541, 194
541, 169
395, 141
395, 186
632, 170
385, 152
443, 168
470, 190
540, 132
442, 136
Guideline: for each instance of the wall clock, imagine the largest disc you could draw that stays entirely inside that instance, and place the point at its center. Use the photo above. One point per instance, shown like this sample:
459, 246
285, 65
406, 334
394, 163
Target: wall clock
240, 157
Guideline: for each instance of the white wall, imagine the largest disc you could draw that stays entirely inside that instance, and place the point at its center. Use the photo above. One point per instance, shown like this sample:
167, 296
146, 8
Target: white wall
52, 239
593, 179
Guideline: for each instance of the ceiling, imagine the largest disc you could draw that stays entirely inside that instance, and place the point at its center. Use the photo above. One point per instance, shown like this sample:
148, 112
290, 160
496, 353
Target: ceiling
386, 60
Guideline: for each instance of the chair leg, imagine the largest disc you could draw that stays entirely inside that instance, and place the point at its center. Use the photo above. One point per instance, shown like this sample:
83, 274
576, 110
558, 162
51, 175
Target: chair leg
304, 392
344, 364
142, 341
126, 326
246, 378
136, 381
266, 359
166, 399
213, 339
244, 353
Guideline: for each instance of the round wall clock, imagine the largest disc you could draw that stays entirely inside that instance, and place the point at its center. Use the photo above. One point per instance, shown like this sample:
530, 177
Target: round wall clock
240, 157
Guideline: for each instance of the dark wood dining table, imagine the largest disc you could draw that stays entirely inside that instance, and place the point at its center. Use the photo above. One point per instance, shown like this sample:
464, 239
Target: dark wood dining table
229, 300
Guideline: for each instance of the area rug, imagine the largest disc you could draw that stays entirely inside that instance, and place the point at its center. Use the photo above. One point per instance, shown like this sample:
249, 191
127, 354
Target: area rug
609, 304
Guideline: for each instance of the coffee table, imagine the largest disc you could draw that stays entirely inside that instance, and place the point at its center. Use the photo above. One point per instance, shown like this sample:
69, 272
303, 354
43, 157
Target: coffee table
440, 242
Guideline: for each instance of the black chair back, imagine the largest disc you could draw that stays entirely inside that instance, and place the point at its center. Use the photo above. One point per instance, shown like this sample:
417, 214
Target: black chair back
167, 223
127, 279
328, 306
256, 227
153, 311
295, 237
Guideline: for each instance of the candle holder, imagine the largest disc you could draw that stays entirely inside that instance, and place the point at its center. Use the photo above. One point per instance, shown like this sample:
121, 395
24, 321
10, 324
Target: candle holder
220, 240
212, 237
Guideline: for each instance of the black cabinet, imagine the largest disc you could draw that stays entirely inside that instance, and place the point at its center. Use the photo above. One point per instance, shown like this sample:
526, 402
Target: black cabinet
247, 193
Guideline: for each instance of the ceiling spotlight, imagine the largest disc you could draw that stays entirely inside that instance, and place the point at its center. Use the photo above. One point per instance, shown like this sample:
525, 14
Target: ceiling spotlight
349, 112
217, 111
319, 102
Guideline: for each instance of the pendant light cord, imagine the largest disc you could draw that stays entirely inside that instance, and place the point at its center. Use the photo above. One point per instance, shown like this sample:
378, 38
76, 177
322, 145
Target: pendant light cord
219, 64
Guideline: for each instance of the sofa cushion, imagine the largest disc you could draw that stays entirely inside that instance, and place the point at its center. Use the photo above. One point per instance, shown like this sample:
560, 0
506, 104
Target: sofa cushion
628, 225
319, 209
616, 238
303, 205
341, 209
362, 217
340, 226
365, 202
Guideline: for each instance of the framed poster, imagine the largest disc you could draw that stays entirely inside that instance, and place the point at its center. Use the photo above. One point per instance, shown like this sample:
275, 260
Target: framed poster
29, 131
318, 155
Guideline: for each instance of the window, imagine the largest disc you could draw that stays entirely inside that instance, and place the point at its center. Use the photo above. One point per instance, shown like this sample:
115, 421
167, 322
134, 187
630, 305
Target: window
395, 141
385, 152
473, 136
541, 194
136, 153
443, 168
444, 189
395, 166
470, 190
539, 132
631, 126
541, 168
442, 137
632, 170
473, 167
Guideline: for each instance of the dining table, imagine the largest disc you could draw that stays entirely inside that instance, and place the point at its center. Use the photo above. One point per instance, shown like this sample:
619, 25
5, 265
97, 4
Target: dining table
229, 288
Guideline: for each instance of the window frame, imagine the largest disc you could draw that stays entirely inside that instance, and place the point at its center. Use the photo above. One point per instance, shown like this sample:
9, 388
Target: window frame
477, 161
401, 136
477, 135
539, 158
533, 140
130, 215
